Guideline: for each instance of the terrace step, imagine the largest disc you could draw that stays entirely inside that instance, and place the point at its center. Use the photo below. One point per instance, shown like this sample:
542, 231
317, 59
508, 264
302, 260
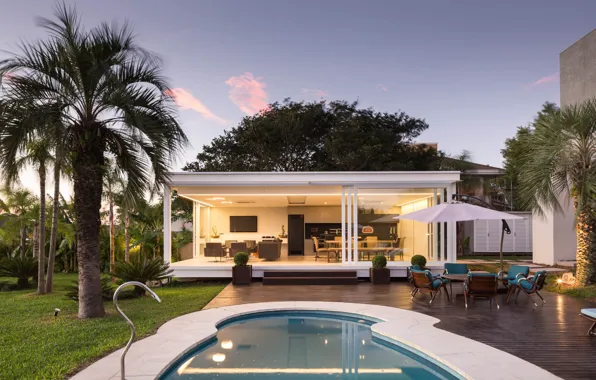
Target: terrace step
312, 273
310, 278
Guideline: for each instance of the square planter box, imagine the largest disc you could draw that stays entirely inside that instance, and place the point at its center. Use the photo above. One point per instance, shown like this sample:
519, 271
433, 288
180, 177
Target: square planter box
380, 276
242, 275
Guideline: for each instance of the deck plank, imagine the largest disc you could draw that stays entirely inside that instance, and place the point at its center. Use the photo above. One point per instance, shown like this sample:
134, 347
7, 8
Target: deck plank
552, 336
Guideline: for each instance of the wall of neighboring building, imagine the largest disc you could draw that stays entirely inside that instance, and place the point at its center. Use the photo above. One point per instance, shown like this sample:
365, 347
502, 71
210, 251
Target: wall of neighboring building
578, 71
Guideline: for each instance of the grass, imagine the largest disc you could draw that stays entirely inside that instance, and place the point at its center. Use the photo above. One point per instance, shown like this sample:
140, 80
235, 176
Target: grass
495, 258
36, 345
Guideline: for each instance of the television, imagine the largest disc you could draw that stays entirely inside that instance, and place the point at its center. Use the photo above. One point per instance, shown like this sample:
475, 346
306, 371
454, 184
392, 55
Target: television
243, 224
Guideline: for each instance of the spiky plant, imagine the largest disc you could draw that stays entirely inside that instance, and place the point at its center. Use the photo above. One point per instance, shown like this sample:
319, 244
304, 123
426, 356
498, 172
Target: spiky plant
143, 271
21, 268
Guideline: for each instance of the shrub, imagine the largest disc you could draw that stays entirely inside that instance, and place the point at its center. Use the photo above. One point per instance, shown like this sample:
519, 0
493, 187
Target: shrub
241, 259
107, 291
145, 271
419, 260
379, 262
22, 269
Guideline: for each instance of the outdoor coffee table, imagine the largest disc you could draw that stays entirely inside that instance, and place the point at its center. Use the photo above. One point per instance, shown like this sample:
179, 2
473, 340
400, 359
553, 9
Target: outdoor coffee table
458, 278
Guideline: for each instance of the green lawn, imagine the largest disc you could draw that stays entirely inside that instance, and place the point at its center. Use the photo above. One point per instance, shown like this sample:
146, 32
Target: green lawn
36, 345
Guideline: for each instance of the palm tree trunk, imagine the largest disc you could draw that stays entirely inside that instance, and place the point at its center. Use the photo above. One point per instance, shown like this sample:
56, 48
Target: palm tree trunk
126, 237
87, 182
54, 233
36, 239
23, 240
112, 233
41, 275
586, 246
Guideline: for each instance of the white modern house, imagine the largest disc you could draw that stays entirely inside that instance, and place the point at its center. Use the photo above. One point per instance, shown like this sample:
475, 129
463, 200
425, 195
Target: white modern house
331, 220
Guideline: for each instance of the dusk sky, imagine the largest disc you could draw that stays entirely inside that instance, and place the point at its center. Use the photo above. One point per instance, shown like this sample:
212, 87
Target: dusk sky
475, 70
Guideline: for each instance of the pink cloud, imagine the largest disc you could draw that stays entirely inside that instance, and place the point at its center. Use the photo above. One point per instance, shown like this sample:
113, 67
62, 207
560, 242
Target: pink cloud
382, 87
315, 92
248, 93
547, 79
185, 100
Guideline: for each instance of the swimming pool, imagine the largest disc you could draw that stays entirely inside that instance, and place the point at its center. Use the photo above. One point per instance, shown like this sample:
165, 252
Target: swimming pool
300, 345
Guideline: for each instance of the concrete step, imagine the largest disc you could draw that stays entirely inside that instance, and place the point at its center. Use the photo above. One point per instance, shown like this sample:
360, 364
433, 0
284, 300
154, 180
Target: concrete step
310, 280
313, 273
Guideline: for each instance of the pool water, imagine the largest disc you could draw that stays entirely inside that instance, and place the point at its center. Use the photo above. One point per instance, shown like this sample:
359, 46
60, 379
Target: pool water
300, 346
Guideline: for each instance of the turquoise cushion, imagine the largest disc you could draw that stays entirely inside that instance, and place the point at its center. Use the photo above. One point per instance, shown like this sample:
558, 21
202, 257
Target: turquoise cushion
437, 282
415, 267
452, 268
514, 270
589, 313
526, 284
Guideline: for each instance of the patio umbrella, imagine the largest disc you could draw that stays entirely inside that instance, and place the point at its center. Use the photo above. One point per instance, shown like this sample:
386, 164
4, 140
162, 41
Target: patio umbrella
460, 212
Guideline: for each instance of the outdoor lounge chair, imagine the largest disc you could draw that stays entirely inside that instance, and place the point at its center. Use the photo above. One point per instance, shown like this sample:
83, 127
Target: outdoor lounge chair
511, 276
424, 281
481, 285
530, 285
590, 315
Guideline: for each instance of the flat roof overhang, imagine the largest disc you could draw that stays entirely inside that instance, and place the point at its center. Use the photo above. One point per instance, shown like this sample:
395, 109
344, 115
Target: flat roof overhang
428, 179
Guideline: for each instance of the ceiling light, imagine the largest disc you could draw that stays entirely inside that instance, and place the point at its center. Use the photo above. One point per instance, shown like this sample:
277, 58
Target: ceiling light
218, 358
226, 202
216, 199
325, 202
227, 345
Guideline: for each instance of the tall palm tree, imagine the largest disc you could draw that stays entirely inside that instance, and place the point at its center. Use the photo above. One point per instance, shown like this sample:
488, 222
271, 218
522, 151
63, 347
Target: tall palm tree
560, 165
18, 204
38, 155
112, 182
114, 102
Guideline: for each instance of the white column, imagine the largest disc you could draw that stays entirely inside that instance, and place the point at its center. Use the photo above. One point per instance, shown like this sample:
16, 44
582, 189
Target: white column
442, 231
195, 225
349, 221
208, 227
435, 229
355, 257
451, 236
343, 225
167, 225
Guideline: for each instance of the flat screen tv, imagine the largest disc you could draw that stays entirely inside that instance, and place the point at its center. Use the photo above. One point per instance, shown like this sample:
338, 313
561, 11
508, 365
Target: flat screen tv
243, 224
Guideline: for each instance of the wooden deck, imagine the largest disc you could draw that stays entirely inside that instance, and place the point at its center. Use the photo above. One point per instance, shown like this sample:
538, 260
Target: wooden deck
552, 336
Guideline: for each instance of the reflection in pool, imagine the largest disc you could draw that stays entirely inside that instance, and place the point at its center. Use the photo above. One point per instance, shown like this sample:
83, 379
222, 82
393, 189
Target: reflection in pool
300, 346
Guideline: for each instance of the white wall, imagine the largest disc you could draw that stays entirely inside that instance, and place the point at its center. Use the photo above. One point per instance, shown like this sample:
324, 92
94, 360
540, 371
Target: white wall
317, 214
565, 237
269, 221
553, 236
543, 239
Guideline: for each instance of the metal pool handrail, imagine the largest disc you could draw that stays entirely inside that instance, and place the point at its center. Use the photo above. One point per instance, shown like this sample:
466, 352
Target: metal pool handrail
132, 326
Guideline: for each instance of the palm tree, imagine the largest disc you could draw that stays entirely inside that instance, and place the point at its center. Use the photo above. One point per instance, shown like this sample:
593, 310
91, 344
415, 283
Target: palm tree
114, 102
112, 181
18, 204
561, 164
37, 154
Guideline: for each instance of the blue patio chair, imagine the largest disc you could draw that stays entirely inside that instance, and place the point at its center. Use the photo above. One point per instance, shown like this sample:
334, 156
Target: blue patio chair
511, 276
590, 315
532, 285
410, 278
424, 281
481, 285
453, 268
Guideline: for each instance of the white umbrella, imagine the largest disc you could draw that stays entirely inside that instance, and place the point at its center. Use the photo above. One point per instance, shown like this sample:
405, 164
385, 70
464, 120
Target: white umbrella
460, 212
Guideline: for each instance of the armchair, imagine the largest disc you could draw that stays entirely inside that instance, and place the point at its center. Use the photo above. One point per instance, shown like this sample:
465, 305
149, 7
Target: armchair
481, 285
424, 281
531, 285
511, 276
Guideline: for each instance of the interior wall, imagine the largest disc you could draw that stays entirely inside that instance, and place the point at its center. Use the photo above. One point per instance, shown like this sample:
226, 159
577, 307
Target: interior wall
269, 221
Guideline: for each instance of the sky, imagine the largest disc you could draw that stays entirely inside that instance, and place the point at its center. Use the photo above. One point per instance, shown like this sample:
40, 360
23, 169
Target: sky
474, 70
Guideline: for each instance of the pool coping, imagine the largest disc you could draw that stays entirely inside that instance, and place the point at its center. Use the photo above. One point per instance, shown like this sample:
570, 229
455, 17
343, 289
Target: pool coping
147, 358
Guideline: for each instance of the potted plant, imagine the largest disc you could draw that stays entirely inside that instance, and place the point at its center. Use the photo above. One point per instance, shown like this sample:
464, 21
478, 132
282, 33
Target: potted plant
418, 260
283, 234
379, 274
214, 234
241, 272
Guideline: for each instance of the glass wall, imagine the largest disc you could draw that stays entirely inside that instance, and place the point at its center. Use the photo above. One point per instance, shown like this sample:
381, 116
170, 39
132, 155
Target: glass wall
380, 233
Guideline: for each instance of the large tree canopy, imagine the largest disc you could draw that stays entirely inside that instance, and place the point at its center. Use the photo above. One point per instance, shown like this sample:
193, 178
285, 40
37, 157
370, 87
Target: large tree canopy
319, 136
